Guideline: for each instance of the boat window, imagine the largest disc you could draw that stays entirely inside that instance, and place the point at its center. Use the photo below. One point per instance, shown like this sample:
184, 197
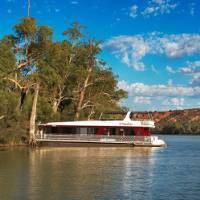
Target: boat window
60, 130
128, 131
118, 131
109, 131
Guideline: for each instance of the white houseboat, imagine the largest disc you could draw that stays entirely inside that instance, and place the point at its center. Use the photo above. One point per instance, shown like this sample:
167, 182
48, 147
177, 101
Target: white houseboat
125, 132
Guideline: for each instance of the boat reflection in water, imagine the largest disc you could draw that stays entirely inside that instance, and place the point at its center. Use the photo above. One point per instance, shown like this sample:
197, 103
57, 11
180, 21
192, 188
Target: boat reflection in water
90, 173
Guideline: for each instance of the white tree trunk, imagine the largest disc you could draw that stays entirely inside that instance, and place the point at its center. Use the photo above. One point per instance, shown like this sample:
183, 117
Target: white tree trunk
33, 116
56, 104
82, 95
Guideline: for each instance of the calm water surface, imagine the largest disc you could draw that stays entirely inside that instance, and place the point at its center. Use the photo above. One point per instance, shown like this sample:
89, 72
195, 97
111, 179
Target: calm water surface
103, 173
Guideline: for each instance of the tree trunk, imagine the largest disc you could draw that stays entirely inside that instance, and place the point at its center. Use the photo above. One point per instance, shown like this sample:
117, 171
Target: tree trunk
16, 78
82, 95
92, 112
33, 117
55, 106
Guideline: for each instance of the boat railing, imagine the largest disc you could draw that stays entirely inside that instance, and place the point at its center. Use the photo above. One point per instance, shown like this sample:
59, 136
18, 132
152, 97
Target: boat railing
92, 137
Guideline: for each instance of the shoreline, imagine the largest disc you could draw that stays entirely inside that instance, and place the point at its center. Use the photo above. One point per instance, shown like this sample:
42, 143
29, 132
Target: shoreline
13, 145
27, 145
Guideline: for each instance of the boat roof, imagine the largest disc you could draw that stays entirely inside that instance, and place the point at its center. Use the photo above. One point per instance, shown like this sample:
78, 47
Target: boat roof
127, 122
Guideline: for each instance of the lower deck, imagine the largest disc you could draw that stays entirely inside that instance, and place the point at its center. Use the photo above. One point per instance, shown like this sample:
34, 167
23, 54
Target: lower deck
94, 140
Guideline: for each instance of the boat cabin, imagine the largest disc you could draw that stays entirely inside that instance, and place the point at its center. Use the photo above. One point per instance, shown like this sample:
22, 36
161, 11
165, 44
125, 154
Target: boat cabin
94, 130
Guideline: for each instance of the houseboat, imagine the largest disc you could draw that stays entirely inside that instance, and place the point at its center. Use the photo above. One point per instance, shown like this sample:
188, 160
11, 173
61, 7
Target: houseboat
125, 132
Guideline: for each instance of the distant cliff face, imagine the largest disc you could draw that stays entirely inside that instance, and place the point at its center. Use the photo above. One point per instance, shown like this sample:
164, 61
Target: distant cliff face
174, 122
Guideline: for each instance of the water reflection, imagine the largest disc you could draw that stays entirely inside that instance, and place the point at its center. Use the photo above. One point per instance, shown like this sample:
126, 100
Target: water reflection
103, 173
89, 173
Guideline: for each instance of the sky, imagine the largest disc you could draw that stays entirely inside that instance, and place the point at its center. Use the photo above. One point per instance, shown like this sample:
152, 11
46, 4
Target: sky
152, 46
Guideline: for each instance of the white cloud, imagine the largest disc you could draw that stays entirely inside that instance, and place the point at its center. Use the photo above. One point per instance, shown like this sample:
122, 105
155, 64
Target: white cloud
173, 102
141, 89
142, 100
131, 49
159, 7
170, 69
164, 97
148, 11
133, 11
192, 69
175, 46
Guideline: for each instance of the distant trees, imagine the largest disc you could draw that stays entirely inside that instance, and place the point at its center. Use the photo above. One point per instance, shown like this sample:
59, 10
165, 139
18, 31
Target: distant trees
178, 128
42, 80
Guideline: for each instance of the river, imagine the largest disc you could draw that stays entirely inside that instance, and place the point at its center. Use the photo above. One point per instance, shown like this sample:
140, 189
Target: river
103, 173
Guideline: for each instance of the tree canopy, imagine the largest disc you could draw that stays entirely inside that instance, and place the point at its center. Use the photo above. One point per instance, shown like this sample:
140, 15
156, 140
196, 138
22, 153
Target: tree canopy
44, 80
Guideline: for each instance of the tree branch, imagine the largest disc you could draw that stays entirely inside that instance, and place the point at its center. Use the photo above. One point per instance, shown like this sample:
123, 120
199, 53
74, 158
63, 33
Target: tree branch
1, 117
86, 104
14, 81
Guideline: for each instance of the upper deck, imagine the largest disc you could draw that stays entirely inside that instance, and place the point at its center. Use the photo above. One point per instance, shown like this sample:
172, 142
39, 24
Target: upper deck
99, 123
126, 123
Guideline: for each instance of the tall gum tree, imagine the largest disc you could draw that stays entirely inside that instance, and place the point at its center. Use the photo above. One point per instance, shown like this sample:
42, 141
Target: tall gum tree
56, 70
90, 50
31, 44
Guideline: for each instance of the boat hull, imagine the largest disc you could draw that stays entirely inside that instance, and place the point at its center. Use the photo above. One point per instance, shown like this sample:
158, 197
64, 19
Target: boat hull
58, 143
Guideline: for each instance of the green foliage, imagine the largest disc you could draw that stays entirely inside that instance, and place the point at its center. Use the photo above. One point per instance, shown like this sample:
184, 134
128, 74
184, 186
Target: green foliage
73, 33
26, 29
179, 128
8, 60
70, 76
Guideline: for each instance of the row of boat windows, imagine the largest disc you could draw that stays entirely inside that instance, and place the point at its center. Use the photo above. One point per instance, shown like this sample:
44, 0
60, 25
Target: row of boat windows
95, 131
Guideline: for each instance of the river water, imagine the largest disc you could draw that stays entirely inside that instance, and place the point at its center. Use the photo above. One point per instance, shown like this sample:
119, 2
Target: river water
103, 173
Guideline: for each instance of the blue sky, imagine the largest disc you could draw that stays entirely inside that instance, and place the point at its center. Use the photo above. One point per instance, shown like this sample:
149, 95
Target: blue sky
153, 46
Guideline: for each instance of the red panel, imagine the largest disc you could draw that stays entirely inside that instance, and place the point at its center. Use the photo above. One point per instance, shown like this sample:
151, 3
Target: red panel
146, 131
100, 131
141, 131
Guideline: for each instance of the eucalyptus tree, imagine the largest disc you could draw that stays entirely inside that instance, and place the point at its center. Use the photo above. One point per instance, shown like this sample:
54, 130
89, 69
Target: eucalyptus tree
85, 63
23, 37
55, 72
31, 44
